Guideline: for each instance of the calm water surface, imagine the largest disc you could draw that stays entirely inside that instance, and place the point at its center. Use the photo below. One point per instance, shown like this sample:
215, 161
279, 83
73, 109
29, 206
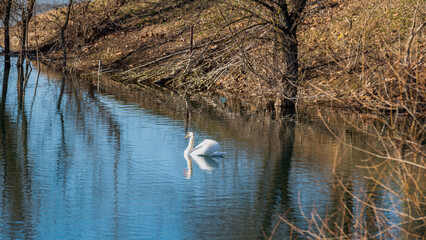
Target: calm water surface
81, 164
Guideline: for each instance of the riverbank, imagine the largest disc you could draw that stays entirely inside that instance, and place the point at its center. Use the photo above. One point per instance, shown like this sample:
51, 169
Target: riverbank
349, 52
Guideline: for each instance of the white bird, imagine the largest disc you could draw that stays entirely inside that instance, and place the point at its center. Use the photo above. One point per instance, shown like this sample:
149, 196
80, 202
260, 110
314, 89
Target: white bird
207, 147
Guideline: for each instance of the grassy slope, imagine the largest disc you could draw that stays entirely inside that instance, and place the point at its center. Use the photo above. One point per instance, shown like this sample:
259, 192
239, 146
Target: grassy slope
362, 40
344, 45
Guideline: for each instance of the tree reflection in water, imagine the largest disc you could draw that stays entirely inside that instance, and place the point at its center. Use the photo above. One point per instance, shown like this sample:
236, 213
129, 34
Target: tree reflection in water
111, 164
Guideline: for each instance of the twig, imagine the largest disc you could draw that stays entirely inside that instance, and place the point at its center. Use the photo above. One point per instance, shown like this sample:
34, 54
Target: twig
412, 35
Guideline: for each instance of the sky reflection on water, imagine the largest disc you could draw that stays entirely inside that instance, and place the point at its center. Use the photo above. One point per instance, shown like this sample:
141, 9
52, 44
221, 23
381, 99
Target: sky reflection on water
77, 164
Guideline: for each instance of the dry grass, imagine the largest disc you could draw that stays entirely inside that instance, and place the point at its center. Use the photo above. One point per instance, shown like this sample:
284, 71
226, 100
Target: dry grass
389, 202
355, 47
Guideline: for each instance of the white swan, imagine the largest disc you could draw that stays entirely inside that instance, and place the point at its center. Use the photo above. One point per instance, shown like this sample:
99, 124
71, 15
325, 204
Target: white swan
208, 147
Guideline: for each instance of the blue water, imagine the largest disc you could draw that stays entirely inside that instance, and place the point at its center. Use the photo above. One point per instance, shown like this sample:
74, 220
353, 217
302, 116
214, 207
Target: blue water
82, 164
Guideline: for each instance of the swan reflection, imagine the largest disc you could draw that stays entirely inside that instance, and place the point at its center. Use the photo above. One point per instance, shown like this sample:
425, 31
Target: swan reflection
188, 173
204, 163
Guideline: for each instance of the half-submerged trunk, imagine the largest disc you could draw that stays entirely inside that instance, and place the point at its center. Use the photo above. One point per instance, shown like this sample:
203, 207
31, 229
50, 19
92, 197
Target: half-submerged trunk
27, 13
6, 23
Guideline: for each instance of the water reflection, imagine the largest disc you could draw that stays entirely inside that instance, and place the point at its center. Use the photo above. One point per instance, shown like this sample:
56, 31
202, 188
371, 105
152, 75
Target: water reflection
274, 191
189, 170
109, 165
25, 156
205, 163
16, 187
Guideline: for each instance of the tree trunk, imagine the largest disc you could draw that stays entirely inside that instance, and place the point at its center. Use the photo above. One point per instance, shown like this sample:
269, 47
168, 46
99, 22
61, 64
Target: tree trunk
22, 51
20, 84
290, 80
27, 13
6, 73
63, 28
64, 50
285, 15
6, 24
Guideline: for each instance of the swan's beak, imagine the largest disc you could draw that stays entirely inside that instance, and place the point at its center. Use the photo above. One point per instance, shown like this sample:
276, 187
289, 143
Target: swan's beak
187, 135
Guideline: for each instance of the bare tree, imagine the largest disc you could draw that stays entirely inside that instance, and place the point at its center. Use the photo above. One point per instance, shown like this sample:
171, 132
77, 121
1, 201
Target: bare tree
26, 8
284, 16
63, 28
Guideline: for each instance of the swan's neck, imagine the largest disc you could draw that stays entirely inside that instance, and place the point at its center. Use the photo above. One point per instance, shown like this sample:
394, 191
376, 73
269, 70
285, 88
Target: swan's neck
188, 149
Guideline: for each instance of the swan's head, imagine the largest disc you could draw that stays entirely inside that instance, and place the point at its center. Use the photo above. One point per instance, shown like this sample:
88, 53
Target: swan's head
190, 134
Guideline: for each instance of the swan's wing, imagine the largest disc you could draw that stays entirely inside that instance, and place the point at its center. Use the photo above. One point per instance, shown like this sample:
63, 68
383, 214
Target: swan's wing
206, 148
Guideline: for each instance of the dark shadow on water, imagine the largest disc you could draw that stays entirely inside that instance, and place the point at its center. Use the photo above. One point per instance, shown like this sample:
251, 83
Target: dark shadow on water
16, 182
273, 188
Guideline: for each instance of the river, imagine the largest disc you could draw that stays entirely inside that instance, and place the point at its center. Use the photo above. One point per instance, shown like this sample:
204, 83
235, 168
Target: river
78, 163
